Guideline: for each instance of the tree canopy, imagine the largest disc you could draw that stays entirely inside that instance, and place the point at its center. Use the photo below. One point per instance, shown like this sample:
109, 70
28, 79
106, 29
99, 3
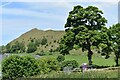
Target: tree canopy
114, 33
83, 28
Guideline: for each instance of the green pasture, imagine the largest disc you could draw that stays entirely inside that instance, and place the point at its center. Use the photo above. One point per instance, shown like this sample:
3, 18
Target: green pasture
82, 58
88, 74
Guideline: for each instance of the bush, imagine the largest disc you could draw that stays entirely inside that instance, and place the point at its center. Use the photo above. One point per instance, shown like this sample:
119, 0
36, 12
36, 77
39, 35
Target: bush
60, 58
15, 66
44, 41
17, 47
48, 65
31, 47
72, 63
54, 41
50, 53
50, 50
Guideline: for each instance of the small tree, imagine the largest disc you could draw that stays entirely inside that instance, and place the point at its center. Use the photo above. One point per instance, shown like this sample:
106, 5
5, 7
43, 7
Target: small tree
37, 42
43, 41
31, 47
22, 47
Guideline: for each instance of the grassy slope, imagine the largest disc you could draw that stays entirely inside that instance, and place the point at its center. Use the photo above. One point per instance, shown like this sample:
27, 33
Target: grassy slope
51, 35
82, 58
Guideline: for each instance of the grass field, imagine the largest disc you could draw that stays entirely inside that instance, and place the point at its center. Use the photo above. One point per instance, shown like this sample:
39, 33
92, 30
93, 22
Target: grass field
87, 74
82, 58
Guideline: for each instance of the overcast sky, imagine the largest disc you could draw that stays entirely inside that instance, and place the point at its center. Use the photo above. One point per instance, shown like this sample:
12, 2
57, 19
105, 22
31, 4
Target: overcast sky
19, 17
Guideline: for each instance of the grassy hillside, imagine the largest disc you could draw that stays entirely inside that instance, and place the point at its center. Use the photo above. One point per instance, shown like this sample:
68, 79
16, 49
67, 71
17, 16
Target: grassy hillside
53, 38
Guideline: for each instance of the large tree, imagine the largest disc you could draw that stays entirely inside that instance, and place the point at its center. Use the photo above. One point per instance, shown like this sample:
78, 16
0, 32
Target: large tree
114, 33
83, 28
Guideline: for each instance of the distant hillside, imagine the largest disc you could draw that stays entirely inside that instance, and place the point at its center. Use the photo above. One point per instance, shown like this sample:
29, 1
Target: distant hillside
53, 37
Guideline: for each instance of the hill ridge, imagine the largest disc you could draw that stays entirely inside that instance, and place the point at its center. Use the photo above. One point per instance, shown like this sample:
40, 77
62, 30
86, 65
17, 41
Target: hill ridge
53, 37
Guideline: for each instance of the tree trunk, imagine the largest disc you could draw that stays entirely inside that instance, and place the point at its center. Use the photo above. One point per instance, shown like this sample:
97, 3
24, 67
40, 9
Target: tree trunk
90, 57
117, 54
89, 52
116, 60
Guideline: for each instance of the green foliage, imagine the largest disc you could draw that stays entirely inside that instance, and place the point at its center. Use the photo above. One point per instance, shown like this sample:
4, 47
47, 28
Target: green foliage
90, 17
31, 47
37, 42
19, 66
60, 58
43, 41
50, 50
8, 47
105, 45
51, 45
76, 46
18, 47
54, 41
46, 44
114, 33
72, 63
48, 65
2, 49
83, 28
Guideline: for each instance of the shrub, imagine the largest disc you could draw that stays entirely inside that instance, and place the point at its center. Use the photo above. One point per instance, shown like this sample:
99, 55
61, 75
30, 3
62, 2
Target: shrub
72, 63
54, 41
58, 41
60, 58
50, 50
48, 65
50, 53
46, 44
31, 47
16, 66
17, 47
51, 45
44, 41
57, 49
